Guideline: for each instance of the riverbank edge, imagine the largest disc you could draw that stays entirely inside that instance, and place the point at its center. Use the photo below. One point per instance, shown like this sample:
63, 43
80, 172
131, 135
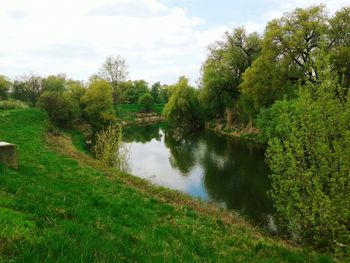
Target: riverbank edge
248, 133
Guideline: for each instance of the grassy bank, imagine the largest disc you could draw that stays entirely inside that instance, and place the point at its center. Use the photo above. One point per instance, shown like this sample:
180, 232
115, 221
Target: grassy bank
63, 206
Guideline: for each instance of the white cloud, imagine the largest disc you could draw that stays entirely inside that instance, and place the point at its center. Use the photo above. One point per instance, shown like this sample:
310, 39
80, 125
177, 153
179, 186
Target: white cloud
48, 37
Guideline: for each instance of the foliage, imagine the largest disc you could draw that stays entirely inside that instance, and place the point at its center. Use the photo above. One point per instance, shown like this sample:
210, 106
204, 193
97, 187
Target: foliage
27, 89
146, 100
61, 109
290, 48
131, 91
114, 70
309, 160
54, 83
183, 107
13, 104
222, 72
270, 120
5, 85
109, 147
98, 104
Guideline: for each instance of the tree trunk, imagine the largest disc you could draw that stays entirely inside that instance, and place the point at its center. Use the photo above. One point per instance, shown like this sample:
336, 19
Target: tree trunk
229, 118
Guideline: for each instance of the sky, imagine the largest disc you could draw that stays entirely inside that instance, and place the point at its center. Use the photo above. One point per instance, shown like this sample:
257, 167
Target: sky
160, 39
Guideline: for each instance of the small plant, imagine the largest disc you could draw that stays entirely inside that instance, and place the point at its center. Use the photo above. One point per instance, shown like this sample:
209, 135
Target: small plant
109, 147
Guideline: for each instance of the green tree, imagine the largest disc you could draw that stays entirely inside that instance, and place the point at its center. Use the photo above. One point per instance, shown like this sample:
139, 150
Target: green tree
183, 108
223, 70
289, 49
28, 89
155, 91
114, 70
98, 104
54, 83
309, 160
146, 100
5, 85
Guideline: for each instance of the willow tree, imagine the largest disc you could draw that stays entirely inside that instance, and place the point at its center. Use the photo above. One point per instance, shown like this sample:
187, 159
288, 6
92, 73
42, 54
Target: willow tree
289, 50
222, 71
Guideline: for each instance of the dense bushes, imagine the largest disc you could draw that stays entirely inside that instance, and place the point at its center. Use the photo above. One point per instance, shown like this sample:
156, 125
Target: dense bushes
61, 109
310, 158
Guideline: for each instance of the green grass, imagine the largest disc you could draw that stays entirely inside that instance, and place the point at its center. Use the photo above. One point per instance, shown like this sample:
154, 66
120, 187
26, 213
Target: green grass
129, 111
53, 209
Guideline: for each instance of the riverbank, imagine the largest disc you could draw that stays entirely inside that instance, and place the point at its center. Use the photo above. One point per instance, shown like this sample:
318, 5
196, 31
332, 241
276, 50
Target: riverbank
248, 132
133, 114
61, 205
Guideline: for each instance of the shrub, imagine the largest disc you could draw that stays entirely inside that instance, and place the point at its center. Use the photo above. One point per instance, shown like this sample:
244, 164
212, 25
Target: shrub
146, 100
310, 163
61, 110
109, 147
13, 104
98, 104
270, 121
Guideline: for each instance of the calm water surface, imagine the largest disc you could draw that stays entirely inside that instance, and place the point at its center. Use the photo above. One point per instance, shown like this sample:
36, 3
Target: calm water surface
205, 165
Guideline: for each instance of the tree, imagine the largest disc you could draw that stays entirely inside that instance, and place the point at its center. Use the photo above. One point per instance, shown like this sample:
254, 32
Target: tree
98, 104
146, 100
114, 70
62, 110
28, 89
309, 160
5, 85
155, 91
183, 107
223, 70
288, 56
54, 83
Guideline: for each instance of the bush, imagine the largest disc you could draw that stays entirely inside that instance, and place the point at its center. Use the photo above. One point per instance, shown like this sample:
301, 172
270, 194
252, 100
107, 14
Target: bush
98, 104
146, 100
109, 147
61, 110
12, 104
310, 163
270, 121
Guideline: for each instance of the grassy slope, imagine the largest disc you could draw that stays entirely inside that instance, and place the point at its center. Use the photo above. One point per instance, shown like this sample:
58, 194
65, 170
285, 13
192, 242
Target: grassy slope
54, 209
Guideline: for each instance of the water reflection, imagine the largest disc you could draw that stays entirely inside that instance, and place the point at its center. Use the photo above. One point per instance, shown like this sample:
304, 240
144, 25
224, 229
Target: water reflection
205, 165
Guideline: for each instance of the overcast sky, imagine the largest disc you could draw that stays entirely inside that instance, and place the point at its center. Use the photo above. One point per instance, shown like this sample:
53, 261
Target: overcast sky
160, 39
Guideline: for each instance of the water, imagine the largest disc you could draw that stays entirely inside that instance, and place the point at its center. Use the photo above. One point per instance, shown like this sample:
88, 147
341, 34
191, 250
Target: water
228, 171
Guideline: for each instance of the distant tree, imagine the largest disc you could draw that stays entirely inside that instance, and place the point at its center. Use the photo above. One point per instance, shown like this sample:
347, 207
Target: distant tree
146, 100
98, 104
5, 85
155, 91
183, 108
131, 91
28, 89
54, 83
114, 70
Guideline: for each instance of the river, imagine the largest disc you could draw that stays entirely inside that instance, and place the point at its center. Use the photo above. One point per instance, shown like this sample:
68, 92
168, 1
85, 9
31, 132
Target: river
230, 172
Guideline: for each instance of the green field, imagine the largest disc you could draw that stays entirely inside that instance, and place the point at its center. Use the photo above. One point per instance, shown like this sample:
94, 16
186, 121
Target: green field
56, 209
